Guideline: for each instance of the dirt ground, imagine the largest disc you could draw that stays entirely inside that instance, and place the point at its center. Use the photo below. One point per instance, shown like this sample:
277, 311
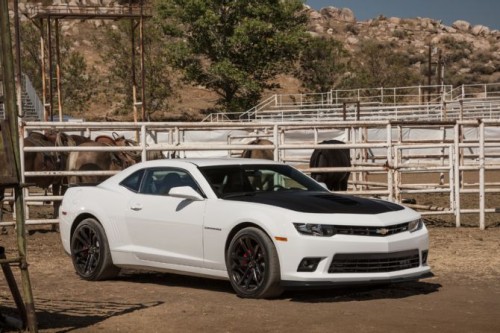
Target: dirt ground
464, 296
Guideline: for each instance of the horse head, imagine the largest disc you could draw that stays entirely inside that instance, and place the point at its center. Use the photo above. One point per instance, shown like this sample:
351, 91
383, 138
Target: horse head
267, 154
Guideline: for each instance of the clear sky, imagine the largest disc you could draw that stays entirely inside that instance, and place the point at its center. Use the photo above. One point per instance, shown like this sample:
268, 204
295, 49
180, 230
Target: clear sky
485, 12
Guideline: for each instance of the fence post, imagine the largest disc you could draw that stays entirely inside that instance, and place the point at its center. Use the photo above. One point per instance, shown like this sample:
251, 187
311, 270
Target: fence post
143, 143
451, 176
390, 163
276, 143
461, 116
481, 177
457, 174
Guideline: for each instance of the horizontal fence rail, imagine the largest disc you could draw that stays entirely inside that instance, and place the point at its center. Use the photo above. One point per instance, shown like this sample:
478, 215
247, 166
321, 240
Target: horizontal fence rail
458, 160
441, 102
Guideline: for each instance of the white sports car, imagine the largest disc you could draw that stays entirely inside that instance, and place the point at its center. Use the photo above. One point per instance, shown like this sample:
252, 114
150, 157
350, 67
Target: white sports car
263, 225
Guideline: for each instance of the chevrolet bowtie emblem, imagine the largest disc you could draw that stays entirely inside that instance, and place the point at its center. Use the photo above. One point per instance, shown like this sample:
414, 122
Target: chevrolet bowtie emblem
382, 231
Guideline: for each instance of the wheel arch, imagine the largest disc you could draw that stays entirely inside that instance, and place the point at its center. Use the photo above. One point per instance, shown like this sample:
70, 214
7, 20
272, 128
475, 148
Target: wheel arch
241, 226
79, 219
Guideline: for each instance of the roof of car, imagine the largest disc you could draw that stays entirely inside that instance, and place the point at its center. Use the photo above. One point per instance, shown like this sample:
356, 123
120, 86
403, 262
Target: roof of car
202, 162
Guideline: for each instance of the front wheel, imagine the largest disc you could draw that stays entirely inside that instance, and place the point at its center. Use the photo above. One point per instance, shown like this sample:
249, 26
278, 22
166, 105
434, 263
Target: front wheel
90, 252
253, 265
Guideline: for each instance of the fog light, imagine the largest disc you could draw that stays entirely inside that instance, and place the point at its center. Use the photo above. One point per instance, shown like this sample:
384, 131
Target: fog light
424, 257
308, 264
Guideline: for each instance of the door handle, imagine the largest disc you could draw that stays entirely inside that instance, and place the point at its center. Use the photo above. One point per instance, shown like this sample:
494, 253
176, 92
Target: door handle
136, 207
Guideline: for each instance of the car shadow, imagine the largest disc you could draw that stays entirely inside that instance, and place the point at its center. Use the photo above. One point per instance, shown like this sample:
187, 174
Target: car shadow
362, 293
176, 280
67, 315
311, 295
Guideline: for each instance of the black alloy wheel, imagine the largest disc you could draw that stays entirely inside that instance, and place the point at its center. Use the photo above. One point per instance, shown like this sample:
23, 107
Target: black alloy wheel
90, 252
253, 265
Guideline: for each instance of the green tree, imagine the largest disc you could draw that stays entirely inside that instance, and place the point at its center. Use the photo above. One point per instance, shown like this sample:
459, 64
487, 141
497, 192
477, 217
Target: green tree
233, 47
377, 64
116, 50
323, 63
79, 83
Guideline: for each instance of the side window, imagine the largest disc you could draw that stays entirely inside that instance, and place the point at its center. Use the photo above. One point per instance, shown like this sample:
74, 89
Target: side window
159, 181
133, 182
229, 180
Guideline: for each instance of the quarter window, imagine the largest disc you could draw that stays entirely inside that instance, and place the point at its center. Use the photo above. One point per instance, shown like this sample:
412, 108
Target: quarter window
159, 181
133, 182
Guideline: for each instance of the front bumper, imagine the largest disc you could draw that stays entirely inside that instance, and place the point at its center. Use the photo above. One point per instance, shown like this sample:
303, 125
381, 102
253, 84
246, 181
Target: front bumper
375, 259
312, 284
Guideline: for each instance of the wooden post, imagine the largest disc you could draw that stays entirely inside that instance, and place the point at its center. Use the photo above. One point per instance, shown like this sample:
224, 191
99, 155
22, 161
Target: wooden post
143, 75
7, 60
58, 72
51, 70
11, 281
19, 82
134, 81
44, 73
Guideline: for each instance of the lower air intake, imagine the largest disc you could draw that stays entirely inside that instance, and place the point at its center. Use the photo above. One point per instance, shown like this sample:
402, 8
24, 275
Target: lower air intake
374, 262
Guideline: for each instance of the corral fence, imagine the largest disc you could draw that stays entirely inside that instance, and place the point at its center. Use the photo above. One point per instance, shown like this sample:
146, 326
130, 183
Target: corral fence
448, 169
438, 102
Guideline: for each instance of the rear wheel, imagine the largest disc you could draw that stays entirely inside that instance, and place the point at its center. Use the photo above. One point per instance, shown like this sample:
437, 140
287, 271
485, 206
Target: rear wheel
90, 252
253, 265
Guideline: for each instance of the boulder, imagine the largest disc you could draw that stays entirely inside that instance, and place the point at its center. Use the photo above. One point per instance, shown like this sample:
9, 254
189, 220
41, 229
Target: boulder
352, 40
480, 30
395, 20
341, 14
461, 25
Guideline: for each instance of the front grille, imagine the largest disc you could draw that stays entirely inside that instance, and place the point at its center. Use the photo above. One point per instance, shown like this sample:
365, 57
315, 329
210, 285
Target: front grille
374, 262
371, 231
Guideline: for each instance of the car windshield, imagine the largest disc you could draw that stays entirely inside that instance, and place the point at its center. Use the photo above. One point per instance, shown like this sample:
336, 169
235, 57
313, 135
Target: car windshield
235, 180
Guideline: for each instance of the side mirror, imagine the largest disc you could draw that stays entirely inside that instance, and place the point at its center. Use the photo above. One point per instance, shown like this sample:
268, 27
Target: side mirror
323, 184
185, 192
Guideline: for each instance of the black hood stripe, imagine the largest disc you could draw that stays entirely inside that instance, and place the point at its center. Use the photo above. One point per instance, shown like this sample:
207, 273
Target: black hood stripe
319, 202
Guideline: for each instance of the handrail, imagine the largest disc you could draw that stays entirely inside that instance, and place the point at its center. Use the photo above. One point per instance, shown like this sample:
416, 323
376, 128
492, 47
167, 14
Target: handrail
250, 114
33, 97
435, 106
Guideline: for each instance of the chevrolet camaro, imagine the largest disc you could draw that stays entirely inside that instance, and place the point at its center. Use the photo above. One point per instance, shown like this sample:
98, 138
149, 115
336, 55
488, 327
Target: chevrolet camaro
265, 226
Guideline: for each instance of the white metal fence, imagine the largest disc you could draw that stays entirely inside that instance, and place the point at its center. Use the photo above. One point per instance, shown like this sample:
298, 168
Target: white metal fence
458, 161
399, 103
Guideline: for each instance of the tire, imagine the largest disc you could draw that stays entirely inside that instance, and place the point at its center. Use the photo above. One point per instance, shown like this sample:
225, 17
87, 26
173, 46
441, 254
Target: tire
253, 265
90, 252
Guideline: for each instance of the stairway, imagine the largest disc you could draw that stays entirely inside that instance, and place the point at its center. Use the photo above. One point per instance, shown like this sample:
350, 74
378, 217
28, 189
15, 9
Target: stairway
31, 105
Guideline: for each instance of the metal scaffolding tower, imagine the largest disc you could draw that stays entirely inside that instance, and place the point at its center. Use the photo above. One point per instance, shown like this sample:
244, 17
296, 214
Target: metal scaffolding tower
47, 18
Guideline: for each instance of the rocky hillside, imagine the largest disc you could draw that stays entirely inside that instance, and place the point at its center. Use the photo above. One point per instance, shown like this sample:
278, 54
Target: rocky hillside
471, 53
469, 50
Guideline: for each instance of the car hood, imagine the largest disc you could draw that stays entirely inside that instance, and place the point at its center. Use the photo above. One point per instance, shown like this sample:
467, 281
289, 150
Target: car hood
318, 202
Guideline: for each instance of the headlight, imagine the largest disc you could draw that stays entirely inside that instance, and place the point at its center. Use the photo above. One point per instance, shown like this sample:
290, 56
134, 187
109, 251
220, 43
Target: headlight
322, 230
415, 225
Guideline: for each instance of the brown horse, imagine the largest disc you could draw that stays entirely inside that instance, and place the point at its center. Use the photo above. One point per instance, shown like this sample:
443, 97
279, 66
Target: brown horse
267, 154
49, 161
101, 160
322, 158
43, 161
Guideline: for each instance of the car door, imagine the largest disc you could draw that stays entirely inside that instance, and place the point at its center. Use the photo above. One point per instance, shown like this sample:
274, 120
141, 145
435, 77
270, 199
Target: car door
164, 228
